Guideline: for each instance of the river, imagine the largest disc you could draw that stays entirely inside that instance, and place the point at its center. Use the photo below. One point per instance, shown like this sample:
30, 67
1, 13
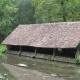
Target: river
64, 70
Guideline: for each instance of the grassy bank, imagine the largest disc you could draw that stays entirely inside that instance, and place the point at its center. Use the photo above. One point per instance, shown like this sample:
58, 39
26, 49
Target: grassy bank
2, 50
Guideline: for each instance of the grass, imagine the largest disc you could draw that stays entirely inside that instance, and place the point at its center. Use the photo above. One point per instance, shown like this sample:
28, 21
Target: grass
2, 50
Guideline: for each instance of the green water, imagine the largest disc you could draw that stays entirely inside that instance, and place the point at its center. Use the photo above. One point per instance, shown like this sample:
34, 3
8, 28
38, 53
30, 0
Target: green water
63, 70
4, 73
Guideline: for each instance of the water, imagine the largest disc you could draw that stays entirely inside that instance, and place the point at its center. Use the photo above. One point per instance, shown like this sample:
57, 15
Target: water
4, 73
63, 70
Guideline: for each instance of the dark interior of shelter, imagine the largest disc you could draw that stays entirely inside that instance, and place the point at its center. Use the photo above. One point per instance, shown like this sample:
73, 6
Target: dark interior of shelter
65, 52
14, 48
23, 48
45, 51
28, 49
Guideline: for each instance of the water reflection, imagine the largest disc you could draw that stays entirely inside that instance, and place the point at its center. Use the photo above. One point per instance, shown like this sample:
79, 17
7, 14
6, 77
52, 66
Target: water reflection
4, 73
64, 70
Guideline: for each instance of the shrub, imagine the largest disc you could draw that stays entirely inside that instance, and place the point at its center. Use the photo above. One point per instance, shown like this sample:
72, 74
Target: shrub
49, 58
77, 58
2, 50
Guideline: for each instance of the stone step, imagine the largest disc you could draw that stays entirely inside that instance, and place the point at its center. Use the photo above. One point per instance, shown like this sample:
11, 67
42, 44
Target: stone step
44, 56
28, 54
64, 59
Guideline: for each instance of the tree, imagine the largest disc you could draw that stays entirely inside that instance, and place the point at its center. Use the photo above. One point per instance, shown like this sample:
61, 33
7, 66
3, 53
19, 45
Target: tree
46, 11
56, 10
25, 13
6, 10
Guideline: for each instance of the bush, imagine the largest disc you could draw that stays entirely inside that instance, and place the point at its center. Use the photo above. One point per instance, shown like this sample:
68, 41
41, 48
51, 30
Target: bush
49, 58
77, 58
2, 50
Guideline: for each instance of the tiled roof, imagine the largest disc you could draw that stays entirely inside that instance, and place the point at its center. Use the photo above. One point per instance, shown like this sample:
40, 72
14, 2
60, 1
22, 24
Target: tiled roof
47, 35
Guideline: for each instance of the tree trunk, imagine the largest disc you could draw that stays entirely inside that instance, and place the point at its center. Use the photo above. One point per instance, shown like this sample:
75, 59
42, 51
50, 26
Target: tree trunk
63, 11
0, 38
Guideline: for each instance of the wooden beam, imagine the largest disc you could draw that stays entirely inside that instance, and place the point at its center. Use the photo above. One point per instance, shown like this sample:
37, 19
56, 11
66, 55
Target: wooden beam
54, 53
7, 49
20, 51
35, 52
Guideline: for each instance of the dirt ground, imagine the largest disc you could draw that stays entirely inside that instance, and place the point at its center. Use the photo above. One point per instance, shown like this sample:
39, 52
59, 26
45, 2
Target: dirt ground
25, 74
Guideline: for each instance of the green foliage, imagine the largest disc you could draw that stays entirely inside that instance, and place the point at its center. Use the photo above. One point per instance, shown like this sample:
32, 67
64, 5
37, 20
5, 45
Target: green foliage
15, 12
45, 11
49, 58
2, 50
77, 58
56, 10
25, 13
7, 8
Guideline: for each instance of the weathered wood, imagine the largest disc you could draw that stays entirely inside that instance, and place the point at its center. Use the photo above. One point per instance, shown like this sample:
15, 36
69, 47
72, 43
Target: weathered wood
35, 52
20, 51
54, 53
7, 49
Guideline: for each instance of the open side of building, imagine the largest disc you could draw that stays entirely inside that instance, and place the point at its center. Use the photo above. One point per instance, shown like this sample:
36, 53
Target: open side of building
58, 54
51, 41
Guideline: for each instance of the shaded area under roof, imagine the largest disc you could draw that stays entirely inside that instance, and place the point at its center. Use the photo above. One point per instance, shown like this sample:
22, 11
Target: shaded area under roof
48, 35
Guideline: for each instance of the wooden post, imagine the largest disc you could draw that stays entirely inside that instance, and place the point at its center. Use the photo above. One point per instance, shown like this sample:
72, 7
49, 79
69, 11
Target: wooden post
35, 52
20, 50
8, 48
54, 54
